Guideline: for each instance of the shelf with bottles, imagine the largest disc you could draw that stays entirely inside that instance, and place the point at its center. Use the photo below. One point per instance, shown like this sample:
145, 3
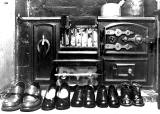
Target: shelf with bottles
80, 37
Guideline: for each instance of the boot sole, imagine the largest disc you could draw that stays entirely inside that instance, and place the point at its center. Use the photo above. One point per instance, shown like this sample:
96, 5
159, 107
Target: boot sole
9, 109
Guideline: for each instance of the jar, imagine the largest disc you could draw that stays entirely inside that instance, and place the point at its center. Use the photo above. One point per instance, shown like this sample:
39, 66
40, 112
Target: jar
112, 9
133, 8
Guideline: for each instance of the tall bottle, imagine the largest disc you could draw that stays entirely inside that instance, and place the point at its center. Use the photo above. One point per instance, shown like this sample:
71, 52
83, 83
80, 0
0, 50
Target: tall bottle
65, 31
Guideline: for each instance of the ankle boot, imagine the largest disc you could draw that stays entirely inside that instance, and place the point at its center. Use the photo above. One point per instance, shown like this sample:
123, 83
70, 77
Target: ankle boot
102, 97
113, 99
125, 99
136, 95
77, 99
89, 97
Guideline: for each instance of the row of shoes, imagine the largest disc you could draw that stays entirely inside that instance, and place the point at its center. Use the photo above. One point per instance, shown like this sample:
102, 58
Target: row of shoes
29, 98
130, 95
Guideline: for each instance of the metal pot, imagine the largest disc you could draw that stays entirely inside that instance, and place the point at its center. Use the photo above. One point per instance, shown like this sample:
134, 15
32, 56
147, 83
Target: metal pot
112, 9
133, 8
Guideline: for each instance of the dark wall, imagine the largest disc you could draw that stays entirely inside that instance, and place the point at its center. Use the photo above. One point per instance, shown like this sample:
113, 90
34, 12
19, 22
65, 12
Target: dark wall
70, 7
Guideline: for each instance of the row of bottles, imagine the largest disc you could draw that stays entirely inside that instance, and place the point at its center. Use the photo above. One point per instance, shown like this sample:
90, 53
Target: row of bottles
80, 36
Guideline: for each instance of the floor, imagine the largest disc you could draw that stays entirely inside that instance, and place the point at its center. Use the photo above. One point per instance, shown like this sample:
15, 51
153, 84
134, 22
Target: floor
149, 108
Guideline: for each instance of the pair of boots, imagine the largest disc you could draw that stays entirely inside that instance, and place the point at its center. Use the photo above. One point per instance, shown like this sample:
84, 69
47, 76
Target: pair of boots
26, 97
107, 98
131, 95
83, 97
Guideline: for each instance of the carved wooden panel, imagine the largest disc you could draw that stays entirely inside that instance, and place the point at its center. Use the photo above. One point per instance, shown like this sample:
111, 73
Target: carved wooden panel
44, 37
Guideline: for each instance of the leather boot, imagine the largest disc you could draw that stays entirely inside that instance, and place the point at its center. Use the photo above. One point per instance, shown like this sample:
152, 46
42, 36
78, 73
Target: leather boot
77, 99
63, 97
32, 98
89, 97
102, 97
113, 99
136, 94
125, 99
14, 97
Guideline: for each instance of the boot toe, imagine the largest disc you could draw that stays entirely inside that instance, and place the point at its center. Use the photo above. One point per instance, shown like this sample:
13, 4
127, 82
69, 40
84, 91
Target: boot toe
138, 102
102, 104
77, 104
89, 104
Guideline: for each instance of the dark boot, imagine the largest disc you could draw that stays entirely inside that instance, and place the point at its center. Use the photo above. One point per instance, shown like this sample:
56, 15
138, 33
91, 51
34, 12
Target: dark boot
63, 97
113, 99
136, 95
77, 99
89, 97
125, 99
102, 97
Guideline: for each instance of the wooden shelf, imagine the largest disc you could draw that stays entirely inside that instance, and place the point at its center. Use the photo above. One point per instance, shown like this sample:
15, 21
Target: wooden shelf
101, 18
76, 60
124, 52
77, 74
39, 18
124, 59
77, 52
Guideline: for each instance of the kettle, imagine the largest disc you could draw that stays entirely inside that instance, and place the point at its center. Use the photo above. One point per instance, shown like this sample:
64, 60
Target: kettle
112, 9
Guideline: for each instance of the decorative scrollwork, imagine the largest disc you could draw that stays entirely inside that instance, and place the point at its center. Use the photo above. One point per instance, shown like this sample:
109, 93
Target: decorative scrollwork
118, 46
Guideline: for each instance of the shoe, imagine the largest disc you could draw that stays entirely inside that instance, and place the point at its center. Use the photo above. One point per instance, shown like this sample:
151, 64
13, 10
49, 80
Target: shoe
63, 97
32, 98
89, 97
77, 99
50, 98
14, 98
113, 99
125, 99
136, 95
102, 97
72, 83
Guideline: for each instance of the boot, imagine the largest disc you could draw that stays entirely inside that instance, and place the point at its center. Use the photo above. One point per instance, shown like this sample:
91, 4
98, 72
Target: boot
136, 95
77, 99
89, 97
14, 98
32, 98
125, 99
113, 99
101, 99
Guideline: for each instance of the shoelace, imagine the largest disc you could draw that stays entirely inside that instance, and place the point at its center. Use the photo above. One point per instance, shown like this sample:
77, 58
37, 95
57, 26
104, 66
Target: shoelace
125, 90
136, 90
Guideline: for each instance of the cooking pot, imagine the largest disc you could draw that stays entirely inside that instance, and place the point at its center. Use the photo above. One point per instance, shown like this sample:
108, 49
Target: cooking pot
112, 9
